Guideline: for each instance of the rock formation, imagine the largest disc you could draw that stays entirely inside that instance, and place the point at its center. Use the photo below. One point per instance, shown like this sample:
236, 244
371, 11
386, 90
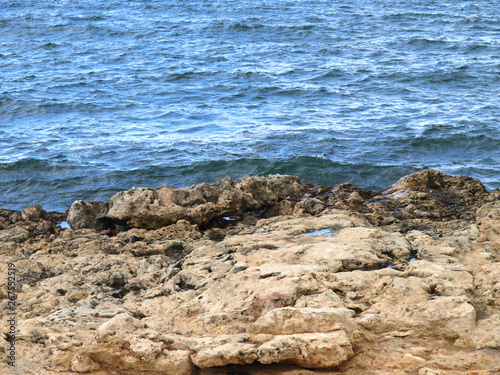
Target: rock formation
155, 208
263, 275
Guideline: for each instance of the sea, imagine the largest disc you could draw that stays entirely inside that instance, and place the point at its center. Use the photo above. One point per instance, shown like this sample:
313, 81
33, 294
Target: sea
97, 96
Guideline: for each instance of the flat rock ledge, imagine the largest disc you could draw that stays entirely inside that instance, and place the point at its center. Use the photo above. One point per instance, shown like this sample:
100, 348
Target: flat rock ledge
262, 275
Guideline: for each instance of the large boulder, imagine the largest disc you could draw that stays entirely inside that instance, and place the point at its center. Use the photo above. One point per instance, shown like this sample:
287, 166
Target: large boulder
441, 188
431, 179
154, 208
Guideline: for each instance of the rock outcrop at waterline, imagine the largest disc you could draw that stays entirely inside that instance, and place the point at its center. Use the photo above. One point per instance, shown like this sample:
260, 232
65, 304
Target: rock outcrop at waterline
427, 194
156, 208
263, 275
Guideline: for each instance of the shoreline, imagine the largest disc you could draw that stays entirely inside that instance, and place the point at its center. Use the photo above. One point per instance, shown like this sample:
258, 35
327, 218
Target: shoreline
261, 275
309, 189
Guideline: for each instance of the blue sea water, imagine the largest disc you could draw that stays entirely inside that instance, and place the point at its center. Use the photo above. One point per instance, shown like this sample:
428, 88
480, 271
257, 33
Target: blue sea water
97, 96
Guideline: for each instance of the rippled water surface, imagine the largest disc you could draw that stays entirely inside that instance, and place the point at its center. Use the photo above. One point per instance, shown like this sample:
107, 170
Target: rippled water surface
98, 96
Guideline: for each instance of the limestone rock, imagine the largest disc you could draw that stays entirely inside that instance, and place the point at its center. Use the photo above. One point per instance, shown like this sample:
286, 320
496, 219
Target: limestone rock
33, 222
431, 179
84, 215
447, 317
318, 350
33, 213
487, 334
290, 320
433, 194
326, 299
297, 276
117, 327
83, 363
231, 353
155, 208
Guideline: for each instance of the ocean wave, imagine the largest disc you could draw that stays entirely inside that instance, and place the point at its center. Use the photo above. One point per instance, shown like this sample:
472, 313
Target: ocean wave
458, 143
189, 75
455, 75
331, 73
85, 18
31, 165
69, 184
427, 42
147, 92
312, 168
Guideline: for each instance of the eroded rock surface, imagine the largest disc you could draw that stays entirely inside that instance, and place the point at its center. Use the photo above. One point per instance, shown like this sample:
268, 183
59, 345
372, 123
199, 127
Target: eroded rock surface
260, 276
84, 215
154, 208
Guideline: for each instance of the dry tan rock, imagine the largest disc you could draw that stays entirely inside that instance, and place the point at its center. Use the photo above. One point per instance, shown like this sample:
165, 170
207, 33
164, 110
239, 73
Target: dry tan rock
327, 299
82, 363
487, 333
447, 317
291, 320
33, 213
231, 353
317, 350
339, 279
155, 208
84, 215
117, 328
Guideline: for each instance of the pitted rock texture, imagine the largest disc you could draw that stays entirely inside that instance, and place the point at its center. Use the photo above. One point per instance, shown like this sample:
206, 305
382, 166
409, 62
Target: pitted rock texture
84, 215
154, 208
415, 201
315, 284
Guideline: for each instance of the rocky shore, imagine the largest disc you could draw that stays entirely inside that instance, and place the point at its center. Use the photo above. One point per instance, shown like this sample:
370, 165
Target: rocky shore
262, 275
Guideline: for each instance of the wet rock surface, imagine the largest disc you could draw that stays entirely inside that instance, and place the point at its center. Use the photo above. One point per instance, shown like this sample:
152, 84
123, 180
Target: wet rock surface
263, 275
